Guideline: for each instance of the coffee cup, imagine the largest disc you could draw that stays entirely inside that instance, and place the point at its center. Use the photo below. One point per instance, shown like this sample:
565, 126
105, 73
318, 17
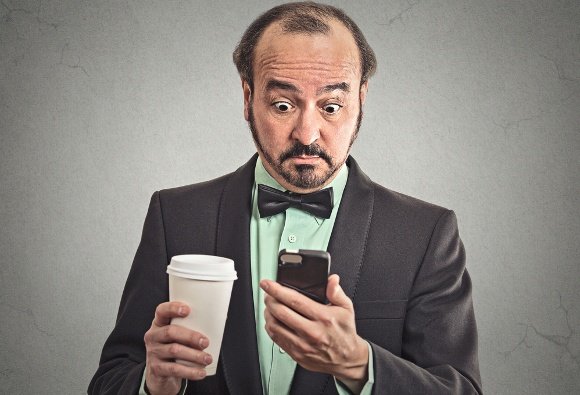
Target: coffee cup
204, 283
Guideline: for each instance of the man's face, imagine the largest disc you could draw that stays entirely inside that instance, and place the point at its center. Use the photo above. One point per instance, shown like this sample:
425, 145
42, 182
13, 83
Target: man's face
305, 109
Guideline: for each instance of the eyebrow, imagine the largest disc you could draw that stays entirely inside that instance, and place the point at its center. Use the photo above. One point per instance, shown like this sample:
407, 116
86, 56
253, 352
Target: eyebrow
276, 84
343, 86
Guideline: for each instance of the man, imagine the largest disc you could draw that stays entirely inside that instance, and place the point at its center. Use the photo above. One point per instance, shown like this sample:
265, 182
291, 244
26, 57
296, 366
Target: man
400, 318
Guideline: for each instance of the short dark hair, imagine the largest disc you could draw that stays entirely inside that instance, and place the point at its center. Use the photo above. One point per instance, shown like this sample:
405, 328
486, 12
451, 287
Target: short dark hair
302, 17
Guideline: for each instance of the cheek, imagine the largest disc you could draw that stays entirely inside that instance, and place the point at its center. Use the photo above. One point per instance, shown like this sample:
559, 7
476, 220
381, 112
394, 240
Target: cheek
273, 130
340, 139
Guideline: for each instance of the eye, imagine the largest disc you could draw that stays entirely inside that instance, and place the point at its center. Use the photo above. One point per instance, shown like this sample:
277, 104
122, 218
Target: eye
332, 108
283, 106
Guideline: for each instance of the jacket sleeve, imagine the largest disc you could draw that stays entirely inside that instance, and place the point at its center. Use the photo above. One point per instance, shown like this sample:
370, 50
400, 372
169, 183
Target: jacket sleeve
123, 358
439, 350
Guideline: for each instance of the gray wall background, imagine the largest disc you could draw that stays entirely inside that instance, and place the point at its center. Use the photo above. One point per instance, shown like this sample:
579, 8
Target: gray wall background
475, 107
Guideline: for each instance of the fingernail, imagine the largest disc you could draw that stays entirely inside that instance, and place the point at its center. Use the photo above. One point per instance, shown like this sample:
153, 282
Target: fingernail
207, 359
203, 342
202, 373
264, 285
181, 310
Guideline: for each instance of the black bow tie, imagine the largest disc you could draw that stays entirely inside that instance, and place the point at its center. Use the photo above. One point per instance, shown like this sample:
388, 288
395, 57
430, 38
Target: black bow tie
272, 201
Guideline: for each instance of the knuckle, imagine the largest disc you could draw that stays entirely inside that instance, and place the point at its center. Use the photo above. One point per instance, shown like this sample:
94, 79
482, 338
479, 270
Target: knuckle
298, 348
283, 315
147, 337
152, 353
174, 349
154, 369
328, 319
295, 304
168, 332
159, 310
318, 338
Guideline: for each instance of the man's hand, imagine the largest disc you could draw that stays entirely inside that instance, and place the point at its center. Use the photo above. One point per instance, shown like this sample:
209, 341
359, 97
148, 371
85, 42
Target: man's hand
165, 343
321, 338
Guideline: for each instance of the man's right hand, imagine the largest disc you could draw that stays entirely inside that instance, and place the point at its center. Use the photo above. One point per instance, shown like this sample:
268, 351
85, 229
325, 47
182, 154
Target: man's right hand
165, 343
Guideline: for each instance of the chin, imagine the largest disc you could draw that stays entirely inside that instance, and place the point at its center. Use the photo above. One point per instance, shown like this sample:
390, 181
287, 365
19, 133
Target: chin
307, 176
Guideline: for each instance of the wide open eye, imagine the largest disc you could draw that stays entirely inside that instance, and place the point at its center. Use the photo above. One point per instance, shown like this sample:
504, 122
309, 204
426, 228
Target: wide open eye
332, 108
283, 106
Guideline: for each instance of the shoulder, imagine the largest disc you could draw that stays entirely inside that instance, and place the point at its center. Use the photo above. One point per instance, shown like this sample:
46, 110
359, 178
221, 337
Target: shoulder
410, 216
398, 201
203, 190
194, 203
394, 206
208, 192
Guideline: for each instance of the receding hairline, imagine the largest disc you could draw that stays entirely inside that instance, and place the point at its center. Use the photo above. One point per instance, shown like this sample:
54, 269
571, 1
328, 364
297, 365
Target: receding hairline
276, 28
306, 18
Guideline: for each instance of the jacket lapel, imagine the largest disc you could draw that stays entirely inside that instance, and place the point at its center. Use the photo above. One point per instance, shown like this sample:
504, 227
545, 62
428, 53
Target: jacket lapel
239, 352
347, 249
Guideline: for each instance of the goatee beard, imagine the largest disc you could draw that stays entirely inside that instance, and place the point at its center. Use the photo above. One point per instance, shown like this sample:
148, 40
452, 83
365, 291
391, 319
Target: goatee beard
304, 176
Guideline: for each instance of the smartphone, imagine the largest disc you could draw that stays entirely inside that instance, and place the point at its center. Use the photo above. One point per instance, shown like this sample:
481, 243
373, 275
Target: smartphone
305, 271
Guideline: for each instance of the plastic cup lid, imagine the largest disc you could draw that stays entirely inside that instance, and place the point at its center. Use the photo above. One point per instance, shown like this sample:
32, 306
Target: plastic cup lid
202, 267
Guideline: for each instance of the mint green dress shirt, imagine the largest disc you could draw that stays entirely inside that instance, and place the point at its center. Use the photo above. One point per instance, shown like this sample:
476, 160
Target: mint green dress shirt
293, 229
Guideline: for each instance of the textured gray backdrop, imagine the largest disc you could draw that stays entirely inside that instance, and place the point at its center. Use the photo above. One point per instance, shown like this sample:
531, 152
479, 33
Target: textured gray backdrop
475, 106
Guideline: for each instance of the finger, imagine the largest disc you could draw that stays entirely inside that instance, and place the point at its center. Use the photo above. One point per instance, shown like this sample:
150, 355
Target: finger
173, 351
287, 316
280, 334
174, 369
291, 298
168, 310
294, 344
335, 293
177, 334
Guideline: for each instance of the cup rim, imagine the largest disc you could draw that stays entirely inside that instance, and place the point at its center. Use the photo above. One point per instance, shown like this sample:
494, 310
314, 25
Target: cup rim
204, 269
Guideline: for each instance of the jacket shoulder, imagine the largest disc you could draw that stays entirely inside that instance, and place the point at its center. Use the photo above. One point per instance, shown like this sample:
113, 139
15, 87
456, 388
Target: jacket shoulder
190, 215
405, 205
204, 189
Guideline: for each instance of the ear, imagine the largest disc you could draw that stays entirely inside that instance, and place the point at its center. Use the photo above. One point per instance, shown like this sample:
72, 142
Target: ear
364, 88
247, 99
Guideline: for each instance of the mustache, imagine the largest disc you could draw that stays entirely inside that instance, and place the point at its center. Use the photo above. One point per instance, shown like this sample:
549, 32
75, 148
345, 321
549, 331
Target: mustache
309, 150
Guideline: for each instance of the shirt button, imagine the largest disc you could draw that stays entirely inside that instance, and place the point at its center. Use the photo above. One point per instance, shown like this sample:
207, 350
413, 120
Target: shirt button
292, 238
281, 351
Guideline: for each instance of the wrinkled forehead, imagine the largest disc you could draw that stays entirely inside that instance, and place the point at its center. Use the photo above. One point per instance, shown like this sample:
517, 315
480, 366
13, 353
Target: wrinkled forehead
329, 55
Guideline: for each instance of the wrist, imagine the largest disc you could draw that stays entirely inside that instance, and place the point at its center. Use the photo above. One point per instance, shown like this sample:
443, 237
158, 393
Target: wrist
357, 368
180, 392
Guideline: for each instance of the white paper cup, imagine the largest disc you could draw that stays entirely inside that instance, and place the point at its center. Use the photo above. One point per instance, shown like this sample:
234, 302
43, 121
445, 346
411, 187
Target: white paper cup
204, 283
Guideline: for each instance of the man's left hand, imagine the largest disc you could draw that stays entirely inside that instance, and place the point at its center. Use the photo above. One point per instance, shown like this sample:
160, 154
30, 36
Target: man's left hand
320, 338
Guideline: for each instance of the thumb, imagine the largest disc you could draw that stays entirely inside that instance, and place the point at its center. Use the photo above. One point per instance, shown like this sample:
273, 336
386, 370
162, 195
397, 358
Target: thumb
335, 294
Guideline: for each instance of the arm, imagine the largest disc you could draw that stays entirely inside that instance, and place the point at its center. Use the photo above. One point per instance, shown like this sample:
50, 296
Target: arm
123, 358
439, 351
320, 338
135, 338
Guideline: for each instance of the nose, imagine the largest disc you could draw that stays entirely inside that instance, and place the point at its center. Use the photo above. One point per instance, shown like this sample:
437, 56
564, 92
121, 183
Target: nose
307, 128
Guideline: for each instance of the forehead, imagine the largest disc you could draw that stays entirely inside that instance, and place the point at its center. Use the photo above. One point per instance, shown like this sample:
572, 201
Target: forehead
307, 58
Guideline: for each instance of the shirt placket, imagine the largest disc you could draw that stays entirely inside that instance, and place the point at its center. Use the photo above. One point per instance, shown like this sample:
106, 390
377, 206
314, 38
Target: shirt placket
293, 237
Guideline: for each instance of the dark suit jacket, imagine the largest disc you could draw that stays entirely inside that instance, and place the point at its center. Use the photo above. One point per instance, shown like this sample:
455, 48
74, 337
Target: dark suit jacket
399, 259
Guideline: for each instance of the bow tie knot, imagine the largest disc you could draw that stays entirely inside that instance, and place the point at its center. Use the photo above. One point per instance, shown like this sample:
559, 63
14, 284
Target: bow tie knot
271, 201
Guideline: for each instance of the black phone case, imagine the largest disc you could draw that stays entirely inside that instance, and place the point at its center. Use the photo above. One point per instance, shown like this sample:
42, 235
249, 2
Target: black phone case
305, 271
